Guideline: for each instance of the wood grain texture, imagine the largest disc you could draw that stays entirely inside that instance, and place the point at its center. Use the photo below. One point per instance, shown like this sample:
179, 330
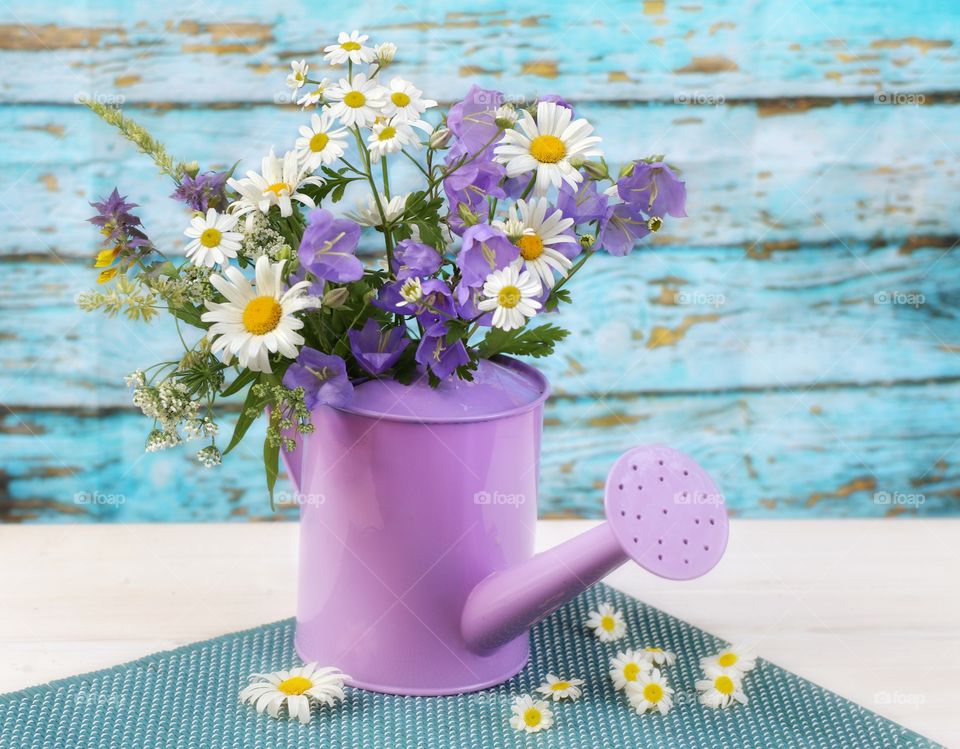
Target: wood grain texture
665, 320
860, 452
618, 50
828, 175
798, 332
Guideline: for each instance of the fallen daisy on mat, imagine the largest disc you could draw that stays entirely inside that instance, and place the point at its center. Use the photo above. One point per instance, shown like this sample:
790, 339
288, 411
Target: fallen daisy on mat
650, 692
297, 689
530, 715
721, 688
658, 657
607, 623
735, 656
558, 689
626, 667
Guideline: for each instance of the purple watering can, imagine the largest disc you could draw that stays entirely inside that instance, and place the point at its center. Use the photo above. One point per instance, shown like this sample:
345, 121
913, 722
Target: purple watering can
417, 520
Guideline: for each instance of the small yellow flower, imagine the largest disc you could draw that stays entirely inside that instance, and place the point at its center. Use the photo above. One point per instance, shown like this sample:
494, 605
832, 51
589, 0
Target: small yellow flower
106, 275
105, 258
530, 715
558, 688
607, 623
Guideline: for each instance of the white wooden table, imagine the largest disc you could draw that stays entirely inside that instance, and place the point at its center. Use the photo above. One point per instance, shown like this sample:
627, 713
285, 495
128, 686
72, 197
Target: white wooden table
869, 609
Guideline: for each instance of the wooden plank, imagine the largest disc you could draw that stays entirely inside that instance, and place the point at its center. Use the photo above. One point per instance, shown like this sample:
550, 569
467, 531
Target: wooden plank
617, 50
847, 172
827, 453
662, 321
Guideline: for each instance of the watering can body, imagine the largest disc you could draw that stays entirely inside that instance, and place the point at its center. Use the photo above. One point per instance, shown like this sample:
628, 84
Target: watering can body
417, 518
408, 499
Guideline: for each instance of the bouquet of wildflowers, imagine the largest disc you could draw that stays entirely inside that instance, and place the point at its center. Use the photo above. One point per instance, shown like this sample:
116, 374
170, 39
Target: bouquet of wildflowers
511, 200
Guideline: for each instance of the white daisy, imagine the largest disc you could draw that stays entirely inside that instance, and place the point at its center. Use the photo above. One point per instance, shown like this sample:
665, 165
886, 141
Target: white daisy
511, 296
559, 689
358, 103
297, 689
547, 145
213, 240
277, 184
367, 214
405, 101
721, 688
650, 692
658, 656
505, 115
530, 715
319, 144
314, 96
385, 52
349, 48
298, 75
536, 234
626, 667
736, 656
607, 623
256, 322
388, 137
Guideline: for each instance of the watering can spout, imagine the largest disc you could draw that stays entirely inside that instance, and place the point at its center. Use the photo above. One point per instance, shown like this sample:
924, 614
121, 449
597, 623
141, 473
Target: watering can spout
663, 511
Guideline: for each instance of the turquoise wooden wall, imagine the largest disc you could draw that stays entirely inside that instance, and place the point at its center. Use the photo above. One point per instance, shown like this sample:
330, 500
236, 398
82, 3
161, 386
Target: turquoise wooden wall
798, 333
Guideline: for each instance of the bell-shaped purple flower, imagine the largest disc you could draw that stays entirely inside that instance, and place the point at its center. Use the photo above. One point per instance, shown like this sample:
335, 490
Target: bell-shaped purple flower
411, 258
328, 246
585, 203
620, 231
484, 250
376, 350
473, 120
443, 358
323, 378
433, 309
654, 189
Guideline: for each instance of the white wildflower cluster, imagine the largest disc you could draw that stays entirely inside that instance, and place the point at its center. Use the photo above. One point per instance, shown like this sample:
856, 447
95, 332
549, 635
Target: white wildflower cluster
191, 285
172, 407
260, 239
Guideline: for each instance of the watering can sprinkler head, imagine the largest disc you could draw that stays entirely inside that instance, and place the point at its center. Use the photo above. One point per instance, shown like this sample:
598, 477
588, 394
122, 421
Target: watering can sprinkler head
663, 511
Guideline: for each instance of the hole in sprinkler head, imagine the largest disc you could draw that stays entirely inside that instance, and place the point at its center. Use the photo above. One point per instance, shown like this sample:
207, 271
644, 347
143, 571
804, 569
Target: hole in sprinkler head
660, 557
664, 510
686, 561
635, 539
640, 488
623, 513
639, 516
661, 478
685, 542
660, 541
660, 462
696, 521
634, 466
712, 522
706, 548
621, 487
686, 473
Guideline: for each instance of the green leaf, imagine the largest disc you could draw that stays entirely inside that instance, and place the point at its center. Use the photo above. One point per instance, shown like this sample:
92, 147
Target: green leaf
535, 342
189, 314
271, 465
245, 420
243, 379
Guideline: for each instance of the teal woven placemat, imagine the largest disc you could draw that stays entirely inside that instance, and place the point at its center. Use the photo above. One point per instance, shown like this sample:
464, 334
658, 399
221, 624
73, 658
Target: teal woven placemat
187, 699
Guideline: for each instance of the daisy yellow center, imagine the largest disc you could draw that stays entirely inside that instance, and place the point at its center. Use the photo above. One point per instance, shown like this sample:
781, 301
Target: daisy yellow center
262, 315
630, 671
727, 659
654, 650
278, 187
399, 98
547, 149
607, 622
387, 133
295, 685
350, 46
652, 692
319, 141
210, 237
724, 684
559, 686
532, 717
531, 246
354, 99
509, 297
